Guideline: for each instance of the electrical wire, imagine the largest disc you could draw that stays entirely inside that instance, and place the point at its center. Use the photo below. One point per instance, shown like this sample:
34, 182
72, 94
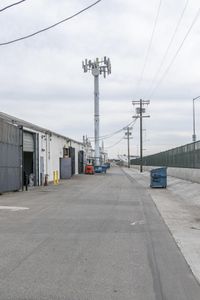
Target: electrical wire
13, 4
104, 137
50, 27
112, 134
169, 45
148, 49
115, 144
176, 53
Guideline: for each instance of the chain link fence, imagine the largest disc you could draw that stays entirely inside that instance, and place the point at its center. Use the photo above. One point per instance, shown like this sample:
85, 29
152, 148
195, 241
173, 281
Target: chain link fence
187, 156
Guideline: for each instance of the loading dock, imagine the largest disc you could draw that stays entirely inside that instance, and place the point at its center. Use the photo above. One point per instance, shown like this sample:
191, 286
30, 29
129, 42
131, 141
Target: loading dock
30, 157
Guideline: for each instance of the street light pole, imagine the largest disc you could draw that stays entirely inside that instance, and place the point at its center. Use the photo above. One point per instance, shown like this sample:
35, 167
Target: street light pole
141, 137
128, 145
194, 137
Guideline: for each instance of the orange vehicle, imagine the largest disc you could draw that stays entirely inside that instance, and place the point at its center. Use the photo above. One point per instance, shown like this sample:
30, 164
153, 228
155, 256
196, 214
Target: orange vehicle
89, 169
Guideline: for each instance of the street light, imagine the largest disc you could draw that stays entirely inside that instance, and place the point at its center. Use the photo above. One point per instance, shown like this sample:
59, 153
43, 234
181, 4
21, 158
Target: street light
194, 133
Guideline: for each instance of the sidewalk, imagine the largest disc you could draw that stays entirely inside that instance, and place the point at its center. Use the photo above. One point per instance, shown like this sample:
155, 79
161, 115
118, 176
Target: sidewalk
179, 206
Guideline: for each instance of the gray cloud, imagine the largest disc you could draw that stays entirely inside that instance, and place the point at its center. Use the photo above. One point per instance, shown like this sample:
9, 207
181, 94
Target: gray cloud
42, 80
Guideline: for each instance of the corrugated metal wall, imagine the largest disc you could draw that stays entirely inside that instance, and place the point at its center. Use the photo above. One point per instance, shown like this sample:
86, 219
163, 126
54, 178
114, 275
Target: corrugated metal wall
187, 156
10, 157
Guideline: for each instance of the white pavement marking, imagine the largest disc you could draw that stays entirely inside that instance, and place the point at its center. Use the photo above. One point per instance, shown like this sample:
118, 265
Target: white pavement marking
13, 208
133, 223
141, 222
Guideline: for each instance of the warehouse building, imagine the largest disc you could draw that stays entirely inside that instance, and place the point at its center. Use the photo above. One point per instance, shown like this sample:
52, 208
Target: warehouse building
34, 155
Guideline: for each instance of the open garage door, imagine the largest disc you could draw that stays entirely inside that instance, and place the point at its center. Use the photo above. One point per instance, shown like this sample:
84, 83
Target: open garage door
30, 157
28, 142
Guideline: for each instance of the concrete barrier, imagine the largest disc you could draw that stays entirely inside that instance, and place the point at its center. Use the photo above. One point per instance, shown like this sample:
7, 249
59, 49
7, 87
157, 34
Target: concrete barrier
192, 175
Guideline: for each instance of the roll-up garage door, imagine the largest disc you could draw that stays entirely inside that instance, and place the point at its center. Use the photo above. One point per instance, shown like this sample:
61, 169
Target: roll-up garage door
28, 142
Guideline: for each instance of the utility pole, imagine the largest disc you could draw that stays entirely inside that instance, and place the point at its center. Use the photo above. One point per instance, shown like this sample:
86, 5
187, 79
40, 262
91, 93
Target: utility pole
139, 114
127, 136
97, 67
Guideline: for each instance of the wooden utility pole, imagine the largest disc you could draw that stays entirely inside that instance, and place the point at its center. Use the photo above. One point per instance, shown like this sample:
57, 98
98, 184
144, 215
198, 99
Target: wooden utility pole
127, 136
139, 114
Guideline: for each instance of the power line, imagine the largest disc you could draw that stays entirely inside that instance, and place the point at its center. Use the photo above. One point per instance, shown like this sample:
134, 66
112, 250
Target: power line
13, 4
115, 143
104, 137
50, 27
112, 134
149, 48
170, 43
176, 53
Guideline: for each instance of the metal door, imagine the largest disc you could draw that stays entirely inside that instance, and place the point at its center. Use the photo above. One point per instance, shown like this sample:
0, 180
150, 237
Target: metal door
10, 157
28, 142
65, 168
80, 162
72, 156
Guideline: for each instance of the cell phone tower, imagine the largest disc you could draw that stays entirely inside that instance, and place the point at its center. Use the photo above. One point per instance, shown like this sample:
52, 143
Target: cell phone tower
97, 67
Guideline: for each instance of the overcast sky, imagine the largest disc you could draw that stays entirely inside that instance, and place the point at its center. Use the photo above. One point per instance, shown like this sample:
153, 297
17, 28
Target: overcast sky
42, 81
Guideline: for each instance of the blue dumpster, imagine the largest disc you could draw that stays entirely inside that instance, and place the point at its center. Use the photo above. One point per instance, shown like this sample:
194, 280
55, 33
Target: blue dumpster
159, 178
104, 168
98, 169
108, 165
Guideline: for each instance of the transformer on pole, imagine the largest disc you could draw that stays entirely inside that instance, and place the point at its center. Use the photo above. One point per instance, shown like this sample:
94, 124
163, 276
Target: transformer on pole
97, 67
128, 134
140, 114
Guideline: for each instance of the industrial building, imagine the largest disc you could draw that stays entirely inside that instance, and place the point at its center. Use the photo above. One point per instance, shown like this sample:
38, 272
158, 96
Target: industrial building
35, 155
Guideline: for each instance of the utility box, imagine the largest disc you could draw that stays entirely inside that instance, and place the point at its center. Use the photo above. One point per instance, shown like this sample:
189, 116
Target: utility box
159, 178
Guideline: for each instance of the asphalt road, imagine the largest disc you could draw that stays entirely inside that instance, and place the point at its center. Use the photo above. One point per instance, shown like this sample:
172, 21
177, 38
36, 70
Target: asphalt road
92, 237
